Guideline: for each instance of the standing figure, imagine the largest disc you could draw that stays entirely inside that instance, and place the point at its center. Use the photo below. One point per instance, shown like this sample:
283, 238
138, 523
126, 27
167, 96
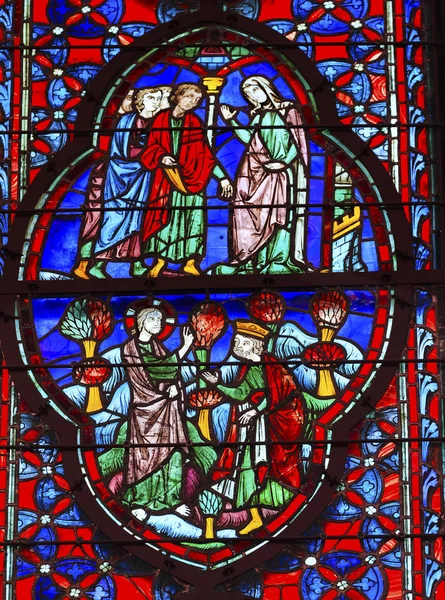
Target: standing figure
182, 161
267, 405
265, 236
93, 214
153, 474
125, 189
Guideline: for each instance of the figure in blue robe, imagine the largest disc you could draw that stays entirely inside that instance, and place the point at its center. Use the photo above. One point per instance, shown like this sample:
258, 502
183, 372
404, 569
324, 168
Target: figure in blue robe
121, 187
126, 186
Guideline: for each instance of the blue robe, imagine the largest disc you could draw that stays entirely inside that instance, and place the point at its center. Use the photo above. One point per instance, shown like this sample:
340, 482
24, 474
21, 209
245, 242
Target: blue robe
126, 186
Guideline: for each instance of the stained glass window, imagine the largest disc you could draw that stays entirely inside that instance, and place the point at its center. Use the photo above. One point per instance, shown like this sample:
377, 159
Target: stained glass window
220, 312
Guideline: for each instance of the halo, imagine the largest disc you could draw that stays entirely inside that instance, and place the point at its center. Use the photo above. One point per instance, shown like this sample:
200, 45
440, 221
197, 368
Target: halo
166, 309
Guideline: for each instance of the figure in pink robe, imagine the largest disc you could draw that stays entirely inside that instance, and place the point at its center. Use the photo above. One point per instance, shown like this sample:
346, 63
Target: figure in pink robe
265, 236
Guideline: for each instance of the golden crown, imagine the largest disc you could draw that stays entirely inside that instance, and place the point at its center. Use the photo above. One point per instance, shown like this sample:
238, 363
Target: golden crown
249, 328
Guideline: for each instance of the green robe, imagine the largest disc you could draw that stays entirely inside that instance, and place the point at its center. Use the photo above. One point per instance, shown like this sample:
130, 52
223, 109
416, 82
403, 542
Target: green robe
264, 231
161, 490
182, 238
248, 492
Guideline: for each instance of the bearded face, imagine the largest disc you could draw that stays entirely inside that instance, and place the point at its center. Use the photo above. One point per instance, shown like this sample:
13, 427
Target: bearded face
247, 347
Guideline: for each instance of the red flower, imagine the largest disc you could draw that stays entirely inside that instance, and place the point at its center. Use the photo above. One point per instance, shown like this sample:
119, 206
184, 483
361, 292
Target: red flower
320, 354
329, 309
208, 321
101, 318
266, 307
92, 371
205, 398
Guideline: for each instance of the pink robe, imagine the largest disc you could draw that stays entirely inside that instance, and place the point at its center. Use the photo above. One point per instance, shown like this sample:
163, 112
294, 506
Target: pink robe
154, 418
262, 196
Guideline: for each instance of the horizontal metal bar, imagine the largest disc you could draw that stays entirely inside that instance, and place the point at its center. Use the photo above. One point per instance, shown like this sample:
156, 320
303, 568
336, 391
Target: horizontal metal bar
84, 209
126, 446
337, 126
384, 362
137, 45
78, 542
227, 284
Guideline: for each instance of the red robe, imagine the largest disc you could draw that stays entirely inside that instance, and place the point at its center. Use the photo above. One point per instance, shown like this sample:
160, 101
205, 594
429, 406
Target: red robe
285, 420
195, 160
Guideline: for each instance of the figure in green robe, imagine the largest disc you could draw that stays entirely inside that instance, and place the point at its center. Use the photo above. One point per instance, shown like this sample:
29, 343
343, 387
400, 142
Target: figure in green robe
153, 471
267, 404
179, 153
267, 228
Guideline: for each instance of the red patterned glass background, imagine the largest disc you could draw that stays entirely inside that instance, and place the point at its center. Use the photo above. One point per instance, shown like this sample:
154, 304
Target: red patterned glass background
380, 536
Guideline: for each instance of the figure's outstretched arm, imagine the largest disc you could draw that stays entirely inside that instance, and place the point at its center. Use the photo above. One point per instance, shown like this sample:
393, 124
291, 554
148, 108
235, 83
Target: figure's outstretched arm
242, 133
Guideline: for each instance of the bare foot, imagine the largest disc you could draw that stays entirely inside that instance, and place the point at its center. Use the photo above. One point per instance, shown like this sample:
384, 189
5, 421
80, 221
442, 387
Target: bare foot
140, 514
183, 510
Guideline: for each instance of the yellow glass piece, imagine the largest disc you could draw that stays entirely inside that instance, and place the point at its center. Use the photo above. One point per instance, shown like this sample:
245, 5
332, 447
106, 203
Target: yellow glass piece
213, 84
255, 523
90, 347
210, 531
327, 334
204, 423
174, 176
326, 388
346, 223
94, 402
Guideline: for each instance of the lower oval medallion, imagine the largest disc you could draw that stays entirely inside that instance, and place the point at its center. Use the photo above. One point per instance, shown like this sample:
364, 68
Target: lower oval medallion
205, 422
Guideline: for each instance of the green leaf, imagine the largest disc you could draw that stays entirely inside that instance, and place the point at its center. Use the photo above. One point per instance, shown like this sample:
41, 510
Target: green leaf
76, 323
210, 503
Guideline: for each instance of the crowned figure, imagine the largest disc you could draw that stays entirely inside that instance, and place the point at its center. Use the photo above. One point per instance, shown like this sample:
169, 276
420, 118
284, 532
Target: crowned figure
266, 405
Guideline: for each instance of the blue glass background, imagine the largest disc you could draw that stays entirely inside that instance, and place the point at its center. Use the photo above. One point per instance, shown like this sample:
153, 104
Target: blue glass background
57, 349
60, 250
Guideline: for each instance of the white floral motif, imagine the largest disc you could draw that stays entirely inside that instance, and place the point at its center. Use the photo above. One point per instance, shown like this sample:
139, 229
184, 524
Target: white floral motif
113, 29
45, 568
58, 30
301, 27
369, 462
370, 559
47, 470
105, 567
359, 67
45, 519
356, 24
329, 5
58, 72
342, 585
371, 510
74, 593
85, 9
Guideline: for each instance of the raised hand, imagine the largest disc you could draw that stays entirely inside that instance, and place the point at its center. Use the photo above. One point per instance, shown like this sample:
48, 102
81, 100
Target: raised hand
227, 112
226, 189
187, 336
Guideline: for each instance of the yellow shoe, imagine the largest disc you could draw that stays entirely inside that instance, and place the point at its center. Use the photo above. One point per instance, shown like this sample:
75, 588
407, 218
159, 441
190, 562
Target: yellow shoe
255, 523
190, 268
81, 270
155, 271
